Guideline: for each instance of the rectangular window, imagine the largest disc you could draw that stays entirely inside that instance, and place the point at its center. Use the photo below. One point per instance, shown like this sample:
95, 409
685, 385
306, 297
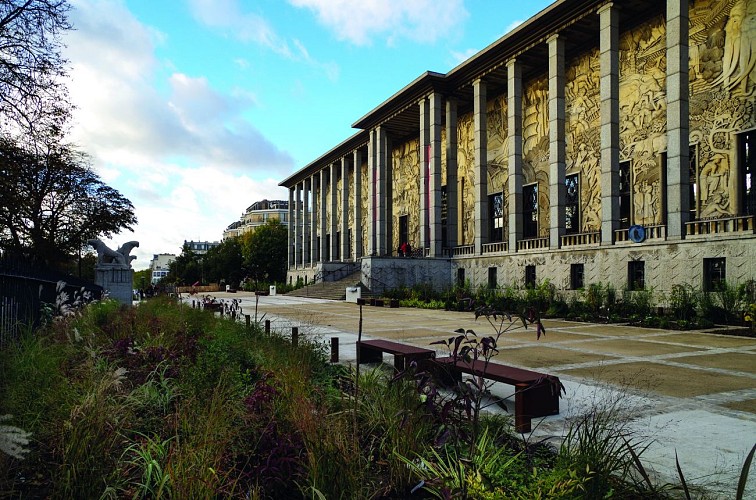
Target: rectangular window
338, 246
530, 211
403, 229
492, 278
624, 195
576, 276
747, 157
572, 204
496, 217
530, 276
461, 277
714, 274
636, 275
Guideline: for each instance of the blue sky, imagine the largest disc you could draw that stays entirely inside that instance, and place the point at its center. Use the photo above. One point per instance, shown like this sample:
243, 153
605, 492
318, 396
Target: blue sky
195, 109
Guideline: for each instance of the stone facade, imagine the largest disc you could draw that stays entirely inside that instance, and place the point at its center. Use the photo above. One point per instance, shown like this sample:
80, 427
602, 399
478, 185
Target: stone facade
604, 139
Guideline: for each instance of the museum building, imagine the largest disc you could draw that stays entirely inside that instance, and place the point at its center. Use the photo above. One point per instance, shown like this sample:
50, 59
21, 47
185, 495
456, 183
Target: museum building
599, 141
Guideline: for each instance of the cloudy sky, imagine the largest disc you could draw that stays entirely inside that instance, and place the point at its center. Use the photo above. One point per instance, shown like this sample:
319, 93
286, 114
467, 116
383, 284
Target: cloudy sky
195, 109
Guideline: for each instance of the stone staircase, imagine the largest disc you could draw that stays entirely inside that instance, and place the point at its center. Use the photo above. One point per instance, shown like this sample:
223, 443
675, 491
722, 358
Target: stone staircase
331, 290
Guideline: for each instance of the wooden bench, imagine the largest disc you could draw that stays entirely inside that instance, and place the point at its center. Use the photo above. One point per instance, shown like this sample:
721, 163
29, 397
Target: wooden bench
536, 394
371, 351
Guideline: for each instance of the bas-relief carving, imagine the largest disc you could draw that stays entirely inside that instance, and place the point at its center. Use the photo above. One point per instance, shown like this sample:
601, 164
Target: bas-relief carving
366, 209
498, 150
582, 127
350, 204
339, 208
466, 175
722, 86
405, 161
535, 148
643, 114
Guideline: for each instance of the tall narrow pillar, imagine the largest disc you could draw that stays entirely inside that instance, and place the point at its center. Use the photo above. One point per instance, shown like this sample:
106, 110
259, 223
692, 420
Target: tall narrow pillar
373, 188
345, 209
424, 221
557, 188
435, 175
452, 203
381, 192
306, 222
334, 227
290, 226
357, 229
298, 226
678, 134
480, 124
322, 217
314, 222
609, 97
514, 125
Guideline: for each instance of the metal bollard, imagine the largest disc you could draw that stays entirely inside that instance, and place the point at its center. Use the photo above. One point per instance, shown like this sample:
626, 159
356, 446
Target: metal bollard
267, 327
247, 317
192, 303
294, 336
334, 349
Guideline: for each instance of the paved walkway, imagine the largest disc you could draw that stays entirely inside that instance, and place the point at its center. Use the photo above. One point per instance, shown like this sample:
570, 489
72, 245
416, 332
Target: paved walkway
690, 392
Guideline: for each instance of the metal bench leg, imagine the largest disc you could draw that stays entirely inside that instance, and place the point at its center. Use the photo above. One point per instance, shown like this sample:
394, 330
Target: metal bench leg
522, 415
367, 355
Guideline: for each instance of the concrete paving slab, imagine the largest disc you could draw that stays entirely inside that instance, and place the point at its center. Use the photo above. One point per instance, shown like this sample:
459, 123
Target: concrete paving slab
670, 380
708, 339
737, 361
544, 357
631, 347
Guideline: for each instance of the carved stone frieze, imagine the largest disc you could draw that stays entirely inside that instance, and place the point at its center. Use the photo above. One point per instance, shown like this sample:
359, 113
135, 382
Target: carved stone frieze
406, 168
535, 145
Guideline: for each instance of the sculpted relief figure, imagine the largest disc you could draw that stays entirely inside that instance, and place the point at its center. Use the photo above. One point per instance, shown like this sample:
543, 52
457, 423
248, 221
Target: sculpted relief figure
739, 58
108, 256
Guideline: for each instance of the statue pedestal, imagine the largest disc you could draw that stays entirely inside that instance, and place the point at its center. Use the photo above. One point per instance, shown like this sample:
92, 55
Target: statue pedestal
117, 281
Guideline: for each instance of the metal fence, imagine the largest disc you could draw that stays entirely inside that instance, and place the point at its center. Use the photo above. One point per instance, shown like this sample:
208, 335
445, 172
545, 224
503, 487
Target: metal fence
24, 287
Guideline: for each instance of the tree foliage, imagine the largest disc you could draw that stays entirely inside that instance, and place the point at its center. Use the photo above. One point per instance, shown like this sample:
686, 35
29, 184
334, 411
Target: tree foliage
32, 90
224, 263
51, 202
265, 252
185, 269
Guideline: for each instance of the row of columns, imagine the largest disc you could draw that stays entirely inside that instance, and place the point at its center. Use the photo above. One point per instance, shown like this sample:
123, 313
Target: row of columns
430, 126
310, 223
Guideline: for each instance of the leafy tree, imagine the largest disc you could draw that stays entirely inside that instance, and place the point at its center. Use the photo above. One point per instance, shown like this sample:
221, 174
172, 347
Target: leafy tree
224, 262
51, 202
143, 278
32, 91
185, 269
265, 252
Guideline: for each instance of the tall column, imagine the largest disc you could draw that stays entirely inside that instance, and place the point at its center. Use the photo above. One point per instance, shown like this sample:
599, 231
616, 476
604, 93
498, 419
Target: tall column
306, 222
678, 137
514, 125
435, 175
290, 226
357, 229
609, 92
372, 217
322, 216
333, 223
345, 209
314, 222
381, 191
480, 124
557, 188
298, 226
424, 221
452, 203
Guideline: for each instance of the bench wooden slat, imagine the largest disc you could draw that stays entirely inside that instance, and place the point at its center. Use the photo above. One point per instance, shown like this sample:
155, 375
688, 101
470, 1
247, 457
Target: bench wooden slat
536, 394
371, 351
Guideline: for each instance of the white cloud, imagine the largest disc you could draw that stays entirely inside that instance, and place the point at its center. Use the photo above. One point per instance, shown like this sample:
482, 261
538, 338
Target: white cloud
189, 161
460, 57
359, 21
228, 17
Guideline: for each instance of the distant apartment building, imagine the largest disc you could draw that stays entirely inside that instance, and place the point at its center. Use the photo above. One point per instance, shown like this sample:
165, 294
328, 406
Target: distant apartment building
159, 266
258, 214
200, 247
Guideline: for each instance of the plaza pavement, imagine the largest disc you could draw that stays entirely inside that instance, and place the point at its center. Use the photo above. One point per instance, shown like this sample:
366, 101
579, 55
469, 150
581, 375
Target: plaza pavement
692, 393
